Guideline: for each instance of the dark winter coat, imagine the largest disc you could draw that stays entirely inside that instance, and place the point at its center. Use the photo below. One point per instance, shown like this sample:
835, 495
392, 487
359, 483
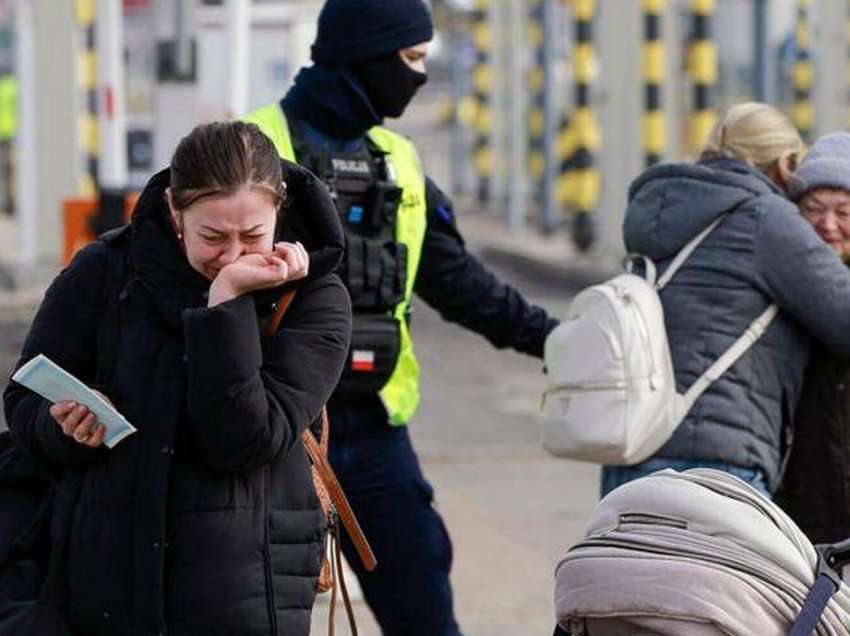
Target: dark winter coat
206, 520
763, 252
815, 488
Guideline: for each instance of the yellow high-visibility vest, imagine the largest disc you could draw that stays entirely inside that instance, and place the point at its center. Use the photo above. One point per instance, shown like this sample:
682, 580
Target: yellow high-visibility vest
8, 107
400, 394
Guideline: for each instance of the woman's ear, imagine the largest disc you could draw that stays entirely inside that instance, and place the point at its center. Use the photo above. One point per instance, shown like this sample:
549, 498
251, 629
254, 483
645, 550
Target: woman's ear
791, 161
784, 170
169, 201
174, 215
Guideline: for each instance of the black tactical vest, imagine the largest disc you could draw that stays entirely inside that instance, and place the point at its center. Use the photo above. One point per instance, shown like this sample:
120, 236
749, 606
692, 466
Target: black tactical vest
374, 268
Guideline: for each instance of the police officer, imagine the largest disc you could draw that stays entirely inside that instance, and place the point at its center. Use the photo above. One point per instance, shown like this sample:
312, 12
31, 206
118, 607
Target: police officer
369, 61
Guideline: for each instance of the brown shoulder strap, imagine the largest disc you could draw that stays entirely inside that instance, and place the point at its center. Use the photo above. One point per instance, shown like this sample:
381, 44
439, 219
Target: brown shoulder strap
318, 455
282, 305
340, 501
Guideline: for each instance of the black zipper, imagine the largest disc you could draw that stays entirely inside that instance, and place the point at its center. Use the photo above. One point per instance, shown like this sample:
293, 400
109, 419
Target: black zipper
650, 519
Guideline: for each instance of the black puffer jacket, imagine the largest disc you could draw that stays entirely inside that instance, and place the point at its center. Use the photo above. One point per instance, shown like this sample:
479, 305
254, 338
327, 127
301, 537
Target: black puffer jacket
815, 488
205, 521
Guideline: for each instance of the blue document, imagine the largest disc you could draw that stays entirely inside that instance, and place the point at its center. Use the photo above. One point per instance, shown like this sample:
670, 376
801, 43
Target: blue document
53, 383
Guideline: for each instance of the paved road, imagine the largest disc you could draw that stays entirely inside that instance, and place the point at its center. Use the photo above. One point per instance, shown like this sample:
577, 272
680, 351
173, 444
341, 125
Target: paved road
511, 509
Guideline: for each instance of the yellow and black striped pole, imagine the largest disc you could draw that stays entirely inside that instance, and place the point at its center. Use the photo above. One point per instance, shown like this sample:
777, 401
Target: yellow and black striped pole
654, 133
580, 138
537, 96
803, 112
87, 82
482, 87
702, 70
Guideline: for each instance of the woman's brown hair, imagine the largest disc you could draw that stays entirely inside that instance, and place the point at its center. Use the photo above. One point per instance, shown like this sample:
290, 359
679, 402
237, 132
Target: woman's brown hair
222, 157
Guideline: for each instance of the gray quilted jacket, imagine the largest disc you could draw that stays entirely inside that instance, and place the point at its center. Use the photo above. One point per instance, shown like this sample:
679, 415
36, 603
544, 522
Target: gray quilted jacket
763, 252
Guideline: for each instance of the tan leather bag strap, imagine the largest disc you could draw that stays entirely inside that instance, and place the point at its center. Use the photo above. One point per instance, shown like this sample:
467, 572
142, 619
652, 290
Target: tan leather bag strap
323, 467
339, 575
283, 304
340, 501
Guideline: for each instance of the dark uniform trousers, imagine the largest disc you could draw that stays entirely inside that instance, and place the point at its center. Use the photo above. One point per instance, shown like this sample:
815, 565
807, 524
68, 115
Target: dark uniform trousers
409, 592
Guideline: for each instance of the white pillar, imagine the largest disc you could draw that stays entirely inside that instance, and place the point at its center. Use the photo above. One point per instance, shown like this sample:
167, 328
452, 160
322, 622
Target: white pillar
829, 50
238, 30
176, 100
620, 106
49, 157
518, 122
113, 115
26, 160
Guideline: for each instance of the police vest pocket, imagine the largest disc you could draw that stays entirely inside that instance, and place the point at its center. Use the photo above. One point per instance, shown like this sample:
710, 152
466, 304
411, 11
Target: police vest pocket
375, 346
375, 273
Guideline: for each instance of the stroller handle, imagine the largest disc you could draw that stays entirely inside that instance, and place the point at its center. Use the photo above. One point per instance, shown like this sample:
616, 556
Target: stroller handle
836, 555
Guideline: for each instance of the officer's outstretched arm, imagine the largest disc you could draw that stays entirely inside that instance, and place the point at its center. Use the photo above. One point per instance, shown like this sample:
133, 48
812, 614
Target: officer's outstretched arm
458, 286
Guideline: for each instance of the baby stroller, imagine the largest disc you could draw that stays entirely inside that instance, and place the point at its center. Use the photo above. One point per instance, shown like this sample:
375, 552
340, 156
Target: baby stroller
698, 553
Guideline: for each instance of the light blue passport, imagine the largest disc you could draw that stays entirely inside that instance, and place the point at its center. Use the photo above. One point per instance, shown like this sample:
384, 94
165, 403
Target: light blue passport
53, 383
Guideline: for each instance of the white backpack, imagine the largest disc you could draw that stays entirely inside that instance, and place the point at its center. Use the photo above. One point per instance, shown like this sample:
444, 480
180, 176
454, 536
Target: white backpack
611, 396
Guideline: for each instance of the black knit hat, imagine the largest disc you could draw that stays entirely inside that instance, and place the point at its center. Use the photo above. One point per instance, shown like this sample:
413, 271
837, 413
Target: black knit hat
352, 31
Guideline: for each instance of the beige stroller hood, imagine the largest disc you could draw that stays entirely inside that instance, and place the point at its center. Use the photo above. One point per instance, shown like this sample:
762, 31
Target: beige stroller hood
696, 553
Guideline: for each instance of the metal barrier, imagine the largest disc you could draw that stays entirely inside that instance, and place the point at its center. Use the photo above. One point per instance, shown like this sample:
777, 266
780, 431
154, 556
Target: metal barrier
702, 70
580, 137
482, 86
803, 112
87, 80
537, 95
654, 132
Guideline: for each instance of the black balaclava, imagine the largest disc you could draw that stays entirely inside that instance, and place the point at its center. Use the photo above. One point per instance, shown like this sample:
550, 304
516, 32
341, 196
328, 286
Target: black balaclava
389, 83
353, 31
359, 34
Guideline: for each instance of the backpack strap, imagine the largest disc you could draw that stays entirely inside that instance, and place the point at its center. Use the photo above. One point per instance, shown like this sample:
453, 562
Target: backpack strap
686, 251
831, 560
813, 607
731, 356
755, 330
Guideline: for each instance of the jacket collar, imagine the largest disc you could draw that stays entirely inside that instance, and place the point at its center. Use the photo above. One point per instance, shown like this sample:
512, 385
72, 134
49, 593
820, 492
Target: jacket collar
159, 265
332, 100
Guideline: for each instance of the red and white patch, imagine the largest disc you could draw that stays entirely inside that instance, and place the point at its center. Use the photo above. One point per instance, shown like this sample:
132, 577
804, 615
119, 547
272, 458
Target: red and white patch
362, 360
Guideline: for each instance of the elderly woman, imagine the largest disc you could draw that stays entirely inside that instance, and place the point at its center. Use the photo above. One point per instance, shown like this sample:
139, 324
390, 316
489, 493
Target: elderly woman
206, 520
816, 486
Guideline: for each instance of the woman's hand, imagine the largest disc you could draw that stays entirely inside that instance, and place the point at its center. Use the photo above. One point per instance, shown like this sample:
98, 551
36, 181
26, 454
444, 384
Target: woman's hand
77, 422
296, 258
250, 272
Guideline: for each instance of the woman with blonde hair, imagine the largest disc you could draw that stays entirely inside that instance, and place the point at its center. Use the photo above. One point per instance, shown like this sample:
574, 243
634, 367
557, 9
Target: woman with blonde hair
762, 252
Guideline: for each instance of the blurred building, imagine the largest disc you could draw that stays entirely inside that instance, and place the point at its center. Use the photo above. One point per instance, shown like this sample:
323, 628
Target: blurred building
107, 87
